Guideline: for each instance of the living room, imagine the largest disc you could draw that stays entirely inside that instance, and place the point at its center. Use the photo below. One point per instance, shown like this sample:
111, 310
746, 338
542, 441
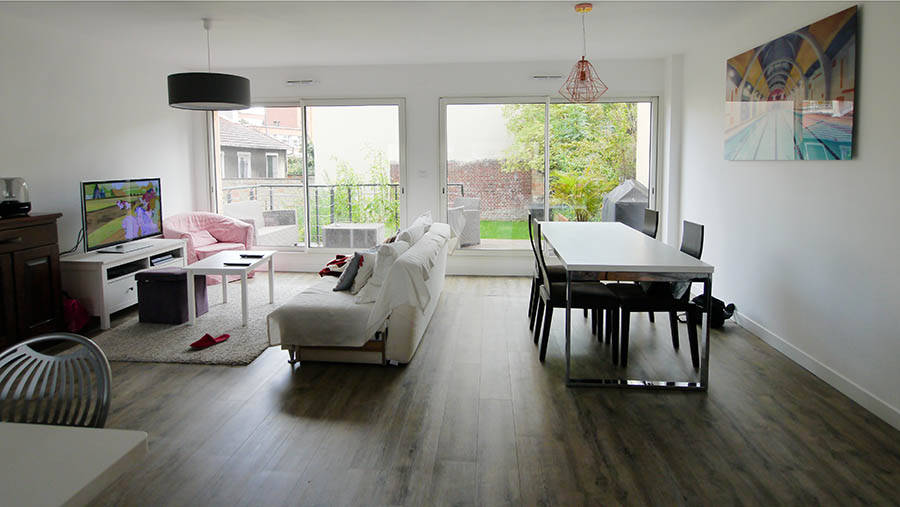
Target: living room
797, 399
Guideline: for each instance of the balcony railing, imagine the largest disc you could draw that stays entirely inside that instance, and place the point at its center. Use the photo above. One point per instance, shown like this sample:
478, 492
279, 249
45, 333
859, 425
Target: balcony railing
328, 204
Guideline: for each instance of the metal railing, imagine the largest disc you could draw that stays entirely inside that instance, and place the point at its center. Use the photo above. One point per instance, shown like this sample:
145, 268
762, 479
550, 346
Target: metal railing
329, 204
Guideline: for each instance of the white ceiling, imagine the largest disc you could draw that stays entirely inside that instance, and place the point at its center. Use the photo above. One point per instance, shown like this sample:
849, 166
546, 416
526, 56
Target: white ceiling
268, 34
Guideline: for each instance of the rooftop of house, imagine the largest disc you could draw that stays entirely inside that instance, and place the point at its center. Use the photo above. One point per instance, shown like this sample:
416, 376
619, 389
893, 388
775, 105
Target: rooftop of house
239, 136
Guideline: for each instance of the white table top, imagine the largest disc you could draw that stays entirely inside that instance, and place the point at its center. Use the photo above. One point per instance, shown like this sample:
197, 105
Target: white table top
215, 263
613, 246
60, 465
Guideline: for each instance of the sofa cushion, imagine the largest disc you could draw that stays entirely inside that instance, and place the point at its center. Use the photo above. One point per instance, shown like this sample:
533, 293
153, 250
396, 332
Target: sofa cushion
319, 316
349, 274
201, 238
208, 250
366, 268
387, 255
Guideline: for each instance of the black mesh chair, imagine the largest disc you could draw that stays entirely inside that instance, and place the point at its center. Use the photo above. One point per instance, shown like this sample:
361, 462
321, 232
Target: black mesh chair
551, 294
663, 297
69, 389
557, 274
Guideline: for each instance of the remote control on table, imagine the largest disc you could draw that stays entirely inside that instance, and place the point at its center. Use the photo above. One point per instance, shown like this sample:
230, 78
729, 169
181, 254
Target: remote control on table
252, 256
236, 263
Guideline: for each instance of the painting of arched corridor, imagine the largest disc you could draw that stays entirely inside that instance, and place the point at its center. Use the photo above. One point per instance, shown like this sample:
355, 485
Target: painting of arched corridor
792, 98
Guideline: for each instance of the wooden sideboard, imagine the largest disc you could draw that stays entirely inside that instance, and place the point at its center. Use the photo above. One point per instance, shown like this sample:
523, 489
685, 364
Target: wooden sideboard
30, 297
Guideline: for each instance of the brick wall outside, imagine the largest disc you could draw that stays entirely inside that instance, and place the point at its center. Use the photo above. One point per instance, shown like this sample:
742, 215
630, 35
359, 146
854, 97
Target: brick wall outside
504, 195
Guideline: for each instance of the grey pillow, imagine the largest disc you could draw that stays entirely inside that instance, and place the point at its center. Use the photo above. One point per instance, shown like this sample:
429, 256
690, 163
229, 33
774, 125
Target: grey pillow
346, 279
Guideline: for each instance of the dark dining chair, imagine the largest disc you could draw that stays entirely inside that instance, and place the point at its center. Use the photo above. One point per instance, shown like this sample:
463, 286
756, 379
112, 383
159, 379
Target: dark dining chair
68, 389
651, 222
552, 294
650, 228
663, 297
556, 272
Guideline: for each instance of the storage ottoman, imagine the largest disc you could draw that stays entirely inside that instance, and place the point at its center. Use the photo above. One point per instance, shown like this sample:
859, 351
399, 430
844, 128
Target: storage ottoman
162, 295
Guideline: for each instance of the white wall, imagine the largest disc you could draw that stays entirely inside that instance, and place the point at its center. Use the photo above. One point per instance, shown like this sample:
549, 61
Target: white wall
73, 111
809, 249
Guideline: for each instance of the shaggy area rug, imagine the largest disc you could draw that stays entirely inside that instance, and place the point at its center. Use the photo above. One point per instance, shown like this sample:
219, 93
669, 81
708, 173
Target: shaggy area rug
163, 343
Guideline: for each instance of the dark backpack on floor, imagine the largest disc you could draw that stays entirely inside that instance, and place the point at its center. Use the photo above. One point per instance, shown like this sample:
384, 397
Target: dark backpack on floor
719, 313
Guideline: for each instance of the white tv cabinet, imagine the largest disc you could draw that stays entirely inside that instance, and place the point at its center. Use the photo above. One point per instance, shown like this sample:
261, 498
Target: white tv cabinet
104, 282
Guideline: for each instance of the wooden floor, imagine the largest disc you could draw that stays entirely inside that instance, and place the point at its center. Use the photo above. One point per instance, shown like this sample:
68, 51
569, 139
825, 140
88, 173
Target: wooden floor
476, 419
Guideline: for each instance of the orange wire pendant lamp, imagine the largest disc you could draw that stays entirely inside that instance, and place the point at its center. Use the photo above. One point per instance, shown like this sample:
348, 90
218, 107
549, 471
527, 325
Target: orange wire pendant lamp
583, 83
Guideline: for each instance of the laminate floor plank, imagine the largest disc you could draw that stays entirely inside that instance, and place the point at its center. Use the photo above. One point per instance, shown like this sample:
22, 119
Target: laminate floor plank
477, 419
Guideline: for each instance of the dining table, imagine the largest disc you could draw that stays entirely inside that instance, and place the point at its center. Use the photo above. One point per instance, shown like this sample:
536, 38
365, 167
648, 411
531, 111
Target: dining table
613, 251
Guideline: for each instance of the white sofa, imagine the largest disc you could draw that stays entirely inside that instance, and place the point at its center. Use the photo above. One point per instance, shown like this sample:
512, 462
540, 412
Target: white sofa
270, 228
320, 324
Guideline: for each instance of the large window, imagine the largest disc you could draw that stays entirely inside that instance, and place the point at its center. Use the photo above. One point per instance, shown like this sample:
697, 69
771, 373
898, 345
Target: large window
324, 174
600, 165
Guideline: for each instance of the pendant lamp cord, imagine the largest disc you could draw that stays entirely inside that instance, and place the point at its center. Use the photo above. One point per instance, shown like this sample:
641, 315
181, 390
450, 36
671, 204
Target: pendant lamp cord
209, 65
207, 24
583, 39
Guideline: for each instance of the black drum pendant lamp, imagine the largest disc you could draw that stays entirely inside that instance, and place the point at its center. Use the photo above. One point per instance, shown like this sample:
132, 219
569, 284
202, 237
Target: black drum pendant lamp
208, 91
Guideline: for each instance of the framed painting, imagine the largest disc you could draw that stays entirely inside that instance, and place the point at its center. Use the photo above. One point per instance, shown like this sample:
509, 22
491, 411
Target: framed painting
792, 98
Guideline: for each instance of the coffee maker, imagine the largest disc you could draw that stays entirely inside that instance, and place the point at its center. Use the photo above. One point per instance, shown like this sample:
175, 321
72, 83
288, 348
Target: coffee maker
14, 200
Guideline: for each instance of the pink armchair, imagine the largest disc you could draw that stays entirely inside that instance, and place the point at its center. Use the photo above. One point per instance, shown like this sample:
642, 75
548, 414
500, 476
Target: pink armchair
208, 234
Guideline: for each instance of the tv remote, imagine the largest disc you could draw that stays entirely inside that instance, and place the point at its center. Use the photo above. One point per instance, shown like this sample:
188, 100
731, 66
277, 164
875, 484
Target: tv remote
236, 263
252, 256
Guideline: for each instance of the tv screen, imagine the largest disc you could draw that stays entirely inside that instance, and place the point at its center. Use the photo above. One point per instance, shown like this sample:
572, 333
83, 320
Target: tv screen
118, 211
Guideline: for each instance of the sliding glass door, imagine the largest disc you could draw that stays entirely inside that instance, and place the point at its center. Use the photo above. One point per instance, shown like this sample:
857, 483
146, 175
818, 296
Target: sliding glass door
600, 165
494, 170
355, 173
323, 174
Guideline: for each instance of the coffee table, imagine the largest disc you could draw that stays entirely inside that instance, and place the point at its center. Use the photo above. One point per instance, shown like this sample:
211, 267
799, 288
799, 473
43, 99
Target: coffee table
215, 265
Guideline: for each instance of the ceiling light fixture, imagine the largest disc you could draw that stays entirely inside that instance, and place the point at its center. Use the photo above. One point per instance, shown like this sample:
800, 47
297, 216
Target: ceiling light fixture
583, 83
208, 91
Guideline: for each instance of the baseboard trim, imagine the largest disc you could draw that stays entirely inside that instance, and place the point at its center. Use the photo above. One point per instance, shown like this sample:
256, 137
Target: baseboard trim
855, 392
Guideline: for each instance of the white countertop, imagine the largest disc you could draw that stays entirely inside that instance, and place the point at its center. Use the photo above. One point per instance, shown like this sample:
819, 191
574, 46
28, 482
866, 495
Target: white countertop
44, 465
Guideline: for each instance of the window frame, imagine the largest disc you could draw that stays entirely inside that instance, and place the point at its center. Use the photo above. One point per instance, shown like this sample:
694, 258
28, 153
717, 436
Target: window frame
303, 103
442, 191
249, 164
269, 155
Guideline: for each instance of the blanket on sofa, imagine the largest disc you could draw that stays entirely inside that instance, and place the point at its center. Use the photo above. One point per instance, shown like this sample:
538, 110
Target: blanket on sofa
320, 317
407, 282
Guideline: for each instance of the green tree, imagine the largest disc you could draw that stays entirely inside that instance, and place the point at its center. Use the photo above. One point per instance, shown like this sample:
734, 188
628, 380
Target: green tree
295, 163
374, 202
592, 149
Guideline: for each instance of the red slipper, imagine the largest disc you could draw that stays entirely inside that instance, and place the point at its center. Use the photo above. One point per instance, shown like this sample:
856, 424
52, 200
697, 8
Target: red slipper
208, 341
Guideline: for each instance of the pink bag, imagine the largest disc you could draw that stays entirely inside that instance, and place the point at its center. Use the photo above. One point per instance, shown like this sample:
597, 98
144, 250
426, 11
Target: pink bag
74, 315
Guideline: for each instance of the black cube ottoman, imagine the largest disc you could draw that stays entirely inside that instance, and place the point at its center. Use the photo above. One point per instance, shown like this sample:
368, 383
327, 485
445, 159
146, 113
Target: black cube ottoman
162, 295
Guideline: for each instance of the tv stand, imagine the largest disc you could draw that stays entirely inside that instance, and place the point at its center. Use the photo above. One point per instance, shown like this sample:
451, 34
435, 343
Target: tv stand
127, 247
104, 282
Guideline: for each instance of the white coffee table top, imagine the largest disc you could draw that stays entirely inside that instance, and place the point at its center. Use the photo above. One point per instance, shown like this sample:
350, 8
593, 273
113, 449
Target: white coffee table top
216, 263
56, 465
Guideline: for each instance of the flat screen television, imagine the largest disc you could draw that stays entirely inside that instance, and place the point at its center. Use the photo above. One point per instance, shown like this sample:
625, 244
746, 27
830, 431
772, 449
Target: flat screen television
118, 212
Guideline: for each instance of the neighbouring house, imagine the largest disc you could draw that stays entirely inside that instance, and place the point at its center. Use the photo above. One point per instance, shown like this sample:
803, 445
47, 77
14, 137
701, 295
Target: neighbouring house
247, 153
